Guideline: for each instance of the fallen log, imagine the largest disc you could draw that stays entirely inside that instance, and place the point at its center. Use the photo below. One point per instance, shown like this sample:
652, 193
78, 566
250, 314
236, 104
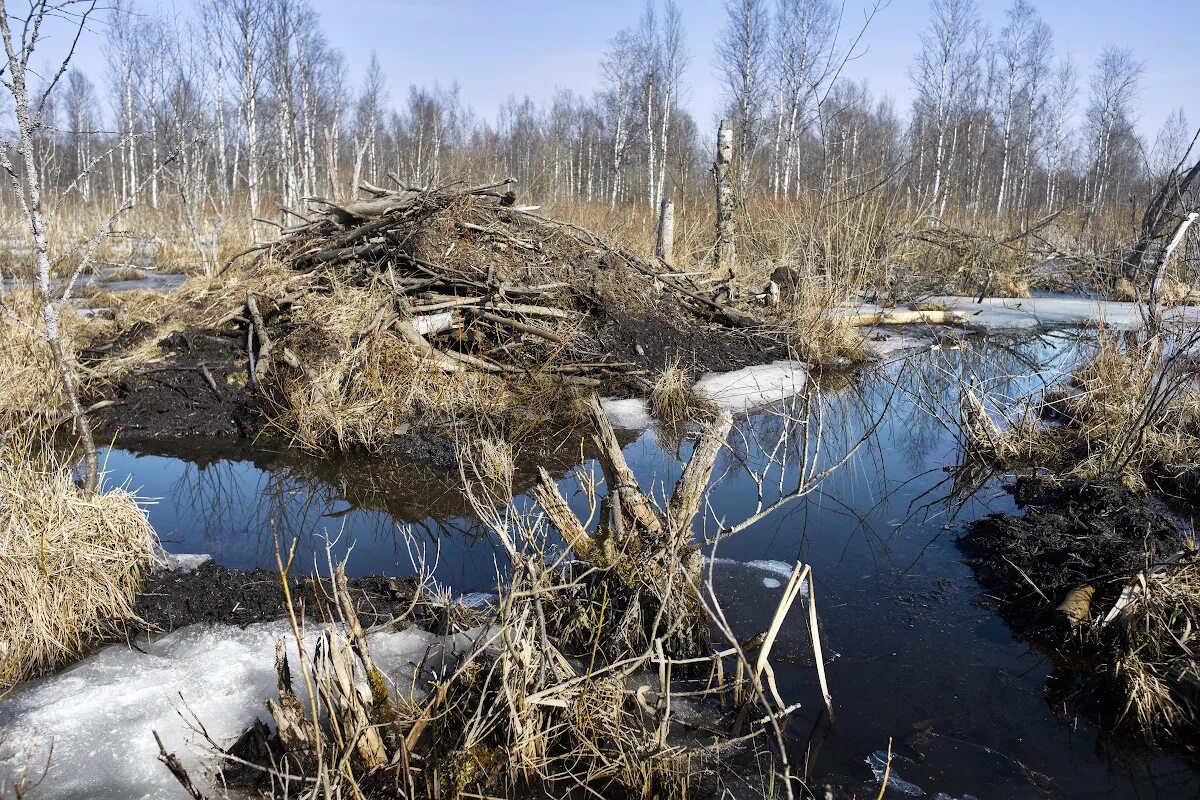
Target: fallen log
908, 317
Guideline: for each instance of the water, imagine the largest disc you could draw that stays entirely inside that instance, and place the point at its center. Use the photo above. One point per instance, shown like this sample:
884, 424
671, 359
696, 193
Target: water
915, 653
102, 278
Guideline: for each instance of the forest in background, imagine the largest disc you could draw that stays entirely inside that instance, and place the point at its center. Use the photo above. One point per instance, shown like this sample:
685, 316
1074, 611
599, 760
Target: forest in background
243, 104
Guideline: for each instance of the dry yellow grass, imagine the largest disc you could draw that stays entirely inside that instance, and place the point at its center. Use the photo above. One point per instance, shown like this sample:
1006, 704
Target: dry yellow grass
1131, 411
70, 562
349, 390
28, 383
673, 399
1154, 661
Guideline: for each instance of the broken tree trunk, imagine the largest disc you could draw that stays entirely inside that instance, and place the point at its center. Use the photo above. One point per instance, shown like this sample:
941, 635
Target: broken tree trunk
664, 248
725, 252
1160, 270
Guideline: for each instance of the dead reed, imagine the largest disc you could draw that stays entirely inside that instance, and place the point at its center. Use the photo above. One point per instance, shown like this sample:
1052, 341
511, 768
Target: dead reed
70, 562
673, 398
1131, 411
579, 680
1155, 632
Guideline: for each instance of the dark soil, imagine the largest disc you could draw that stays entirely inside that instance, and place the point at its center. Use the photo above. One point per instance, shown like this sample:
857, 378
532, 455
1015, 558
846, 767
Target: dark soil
652, 341
1072, 534
174, 398
173, 599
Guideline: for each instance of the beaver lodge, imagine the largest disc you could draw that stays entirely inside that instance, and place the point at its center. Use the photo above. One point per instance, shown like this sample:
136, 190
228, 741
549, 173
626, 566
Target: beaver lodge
373, 316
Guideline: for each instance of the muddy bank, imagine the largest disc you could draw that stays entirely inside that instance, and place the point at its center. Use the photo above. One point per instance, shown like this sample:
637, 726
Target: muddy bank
1078, 533
1096, 576
210, 593
199, 385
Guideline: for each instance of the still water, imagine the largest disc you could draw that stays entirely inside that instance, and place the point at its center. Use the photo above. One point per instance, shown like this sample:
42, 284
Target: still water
915, 652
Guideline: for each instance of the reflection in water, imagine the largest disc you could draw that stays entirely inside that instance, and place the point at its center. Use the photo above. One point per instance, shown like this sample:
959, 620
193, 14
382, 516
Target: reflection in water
913, 655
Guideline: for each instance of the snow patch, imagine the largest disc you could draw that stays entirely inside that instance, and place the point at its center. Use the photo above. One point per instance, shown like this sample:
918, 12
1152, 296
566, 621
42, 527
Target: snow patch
631, 415
739, 391
753, 387
185, 562
99, 716
998, 313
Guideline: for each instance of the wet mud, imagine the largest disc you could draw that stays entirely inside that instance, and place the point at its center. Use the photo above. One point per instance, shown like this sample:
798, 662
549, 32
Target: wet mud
1055, 572
210, 593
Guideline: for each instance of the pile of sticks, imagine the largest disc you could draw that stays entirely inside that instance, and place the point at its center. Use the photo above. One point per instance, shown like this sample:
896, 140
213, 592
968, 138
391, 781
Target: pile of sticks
474, 281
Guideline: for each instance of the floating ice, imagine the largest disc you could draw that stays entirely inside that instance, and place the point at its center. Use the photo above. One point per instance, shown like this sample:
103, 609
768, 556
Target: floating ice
878, 762
780, 568
753, 387
478, 599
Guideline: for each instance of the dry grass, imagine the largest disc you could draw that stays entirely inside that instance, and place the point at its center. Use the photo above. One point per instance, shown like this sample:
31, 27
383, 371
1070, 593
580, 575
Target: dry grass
1133, 414
70, 562
29, 387
673, 399
1132, 411
1154, 651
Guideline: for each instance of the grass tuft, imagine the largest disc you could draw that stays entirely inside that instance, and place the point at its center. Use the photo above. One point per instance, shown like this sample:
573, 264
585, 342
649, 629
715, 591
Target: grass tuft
70, 562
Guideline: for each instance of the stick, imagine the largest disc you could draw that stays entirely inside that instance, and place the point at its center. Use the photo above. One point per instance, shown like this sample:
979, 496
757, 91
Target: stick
177, 769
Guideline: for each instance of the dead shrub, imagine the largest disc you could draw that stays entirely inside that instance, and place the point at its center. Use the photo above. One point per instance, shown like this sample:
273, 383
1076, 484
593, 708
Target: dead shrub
573, 682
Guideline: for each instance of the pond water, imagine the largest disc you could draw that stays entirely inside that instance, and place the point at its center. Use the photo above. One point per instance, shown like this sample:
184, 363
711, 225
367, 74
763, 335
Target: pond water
915, 652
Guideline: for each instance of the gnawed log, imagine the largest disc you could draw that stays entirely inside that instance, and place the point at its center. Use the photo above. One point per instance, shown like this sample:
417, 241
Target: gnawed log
908, 317
664, 247
546, 495
620, 478
409, 334
689, 490
1076, 607
517, 326
262, 359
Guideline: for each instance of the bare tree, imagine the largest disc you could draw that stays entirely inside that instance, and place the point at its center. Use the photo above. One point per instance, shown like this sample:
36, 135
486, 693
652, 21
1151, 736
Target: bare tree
18, 160
1113, 89
121, 52
618, 68
81, 105
742, 58
663, 59
1037, 69
1014, 56
242, 35
938, 76
367, 123
1170, 143
1061, 102
804, 36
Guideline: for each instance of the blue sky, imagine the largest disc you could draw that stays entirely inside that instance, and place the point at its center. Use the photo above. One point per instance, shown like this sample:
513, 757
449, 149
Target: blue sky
496, 49
533, 46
